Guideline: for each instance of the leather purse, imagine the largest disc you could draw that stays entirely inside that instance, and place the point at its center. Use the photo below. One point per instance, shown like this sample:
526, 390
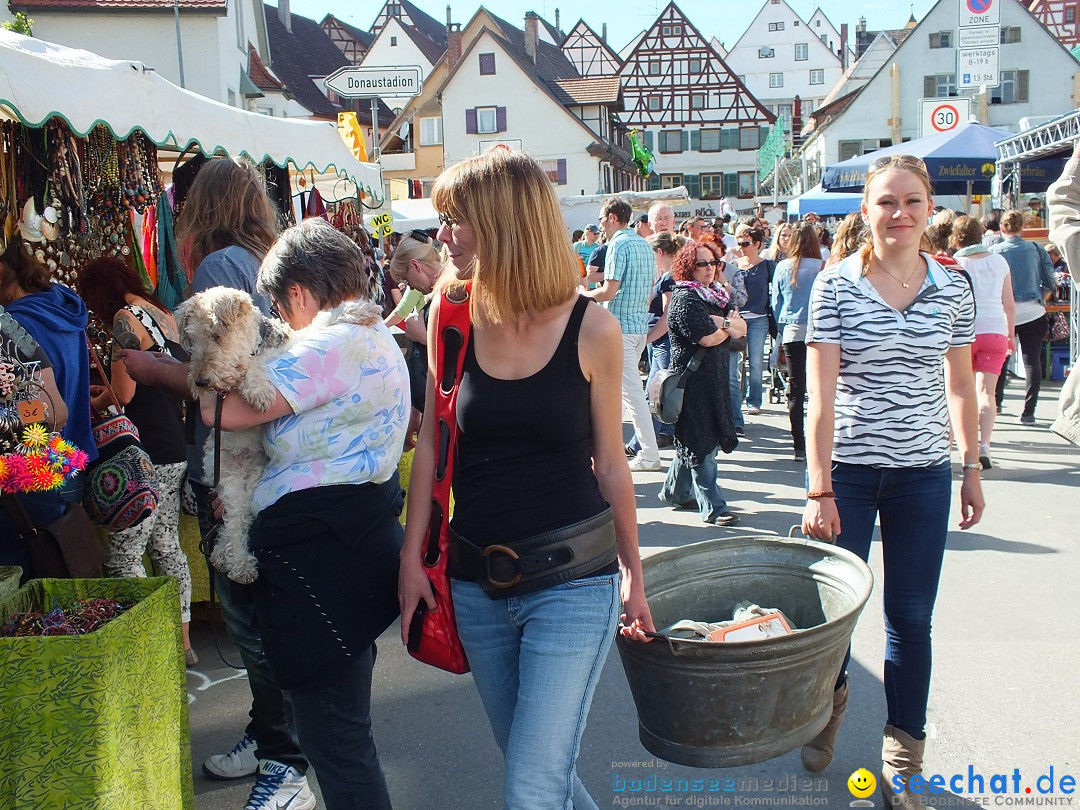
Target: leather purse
121, 487
433, 636
66, 548
667, 389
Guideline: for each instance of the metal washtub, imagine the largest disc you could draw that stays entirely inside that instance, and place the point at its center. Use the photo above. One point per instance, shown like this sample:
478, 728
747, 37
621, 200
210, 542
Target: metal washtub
716, 705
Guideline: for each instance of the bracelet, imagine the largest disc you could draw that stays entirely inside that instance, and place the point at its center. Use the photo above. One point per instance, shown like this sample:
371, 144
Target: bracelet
974, 466
825, 493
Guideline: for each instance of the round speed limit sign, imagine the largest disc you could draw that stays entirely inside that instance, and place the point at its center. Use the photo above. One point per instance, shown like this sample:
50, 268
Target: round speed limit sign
944, 117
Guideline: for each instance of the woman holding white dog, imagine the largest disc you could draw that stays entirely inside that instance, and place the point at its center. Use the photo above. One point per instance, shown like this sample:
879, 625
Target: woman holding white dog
540, 464
326, 533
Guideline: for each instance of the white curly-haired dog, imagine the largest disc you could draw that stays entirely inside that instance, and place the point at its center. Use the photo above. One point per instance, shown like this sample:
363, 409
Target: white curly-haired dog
229, 341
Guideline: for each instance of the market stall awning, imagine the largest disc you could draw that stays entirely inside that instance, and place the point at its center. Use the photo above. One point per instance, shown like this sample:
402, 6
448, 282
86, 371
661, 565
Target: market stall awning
959, 162
825, 203
409, 215
40, 80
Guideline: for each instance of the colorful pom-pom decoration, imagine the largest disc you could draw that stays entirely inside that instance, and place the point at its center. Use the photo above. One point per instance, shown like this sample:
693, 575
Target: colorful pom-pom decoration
43, 462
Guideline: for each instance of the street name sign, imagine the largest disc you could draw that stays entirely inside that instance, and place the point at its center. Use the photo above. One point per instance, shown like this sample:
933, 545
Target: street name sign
376, 82
974, 13
939, 115
976, 67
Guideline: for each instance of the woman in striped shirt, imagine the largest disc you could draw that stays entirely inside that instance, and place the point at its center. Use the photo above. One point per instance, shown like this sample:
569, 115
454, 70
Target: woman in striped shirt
888, 363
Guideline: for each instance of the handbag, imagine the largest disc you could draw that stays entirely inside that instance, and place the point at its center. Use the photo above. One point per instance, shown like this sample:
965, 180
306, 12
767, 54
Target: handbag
667, 389
121, 487
433, 636
67, 548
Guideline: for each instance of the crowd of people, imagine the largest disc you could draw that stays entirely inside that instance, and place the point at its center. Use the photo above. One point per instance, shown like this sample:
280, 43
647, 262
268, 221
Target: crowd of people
894, 335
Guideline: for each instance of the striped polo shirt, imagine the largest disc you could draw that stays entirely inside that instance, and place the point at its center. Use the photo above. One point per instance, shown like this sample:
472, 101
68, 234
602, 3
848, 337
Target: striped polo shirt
630, 262
891, 409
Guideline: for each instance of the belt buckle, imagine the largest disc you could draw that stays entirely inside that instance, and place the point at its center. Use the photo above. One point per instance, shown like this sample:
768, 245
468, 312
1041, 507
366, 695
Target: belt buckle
497, 583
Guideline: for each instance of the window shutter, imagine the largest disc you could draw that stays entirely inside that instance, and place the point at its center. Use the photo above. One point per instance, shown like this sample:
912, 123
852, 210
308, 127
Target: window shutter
929, 86
695, 140
649, 142
653, 182
562, 171
470, 121
731, 184
1021, 86
500, 119
684, 140
693, 185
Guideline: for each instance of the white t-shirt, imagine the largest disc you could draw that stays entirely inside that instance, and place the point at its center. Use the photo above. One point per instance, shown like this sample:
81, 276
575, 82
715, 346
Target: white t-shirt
989, 275
349, 390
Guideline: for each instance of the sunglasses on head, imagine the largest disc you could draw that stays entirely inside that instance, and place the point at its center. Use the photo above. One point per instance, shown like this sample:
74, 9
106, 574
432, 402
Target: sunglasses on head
713, 263
897, 160
420, 236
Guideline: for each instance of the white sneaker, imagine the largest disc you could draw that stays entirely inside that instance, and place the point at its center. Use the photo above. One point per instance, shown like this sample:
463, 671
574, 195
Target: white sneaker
753, 410
236, 764
639, 464
280, 787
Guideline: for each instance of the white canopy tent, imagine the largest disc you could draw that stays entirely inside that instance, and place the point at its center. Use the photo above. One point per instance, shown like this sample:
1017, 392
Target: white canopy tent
409, 215
40, 80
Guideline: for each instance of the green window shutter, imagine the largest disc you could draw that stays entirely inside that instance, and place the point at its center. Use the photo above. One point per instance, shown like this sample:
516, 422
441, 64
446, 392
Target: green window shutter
929, 86
693, 185
684, 140
649, 141
729, 138
695, 140
731, 184
1021, 86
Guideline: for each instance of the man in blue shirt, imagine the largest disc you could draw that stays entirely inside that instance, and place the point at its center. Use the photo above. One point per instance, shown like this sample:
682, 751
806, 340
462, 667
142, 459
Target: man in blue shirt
629, 273
589, 242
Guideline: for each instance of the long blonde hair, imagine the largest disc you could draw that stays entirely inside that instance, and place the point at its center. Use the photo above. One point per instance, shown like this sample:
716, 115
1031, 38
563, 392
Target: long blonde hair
803, 244
227, 205
901, 163
411, 249
524, 264
849, 237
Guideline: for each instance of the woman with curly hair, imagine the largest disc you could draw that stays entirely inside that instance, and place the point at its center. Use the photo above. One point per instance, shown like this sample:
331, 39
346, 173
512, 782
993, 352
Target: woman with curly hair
701, 316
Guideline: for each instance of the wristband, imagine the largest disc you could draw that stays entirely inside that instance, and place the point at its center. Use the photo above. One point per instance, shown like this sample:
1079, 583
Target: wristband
975, 466
825, 493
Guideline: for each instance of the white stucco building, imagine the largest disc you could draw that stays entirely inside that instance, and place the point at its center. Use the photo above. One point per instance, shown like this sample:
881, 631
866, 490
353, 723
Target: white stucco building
780, 56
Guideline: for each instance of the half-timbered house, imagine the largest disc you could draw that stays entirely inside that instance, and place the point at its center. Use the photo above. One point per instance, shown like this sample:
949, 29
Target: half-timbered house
1061, 17
589, 53
702, 123
351, 41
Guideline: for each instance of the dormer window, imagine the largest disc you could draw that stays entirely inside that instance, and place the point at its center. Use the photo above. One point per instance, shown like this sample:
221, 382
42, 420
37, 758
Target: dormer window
487, 64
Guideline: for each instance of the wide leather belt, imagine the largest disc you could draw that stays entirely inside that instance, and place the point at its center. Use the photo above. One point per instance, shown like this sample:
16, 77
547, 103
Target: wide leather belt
537, 562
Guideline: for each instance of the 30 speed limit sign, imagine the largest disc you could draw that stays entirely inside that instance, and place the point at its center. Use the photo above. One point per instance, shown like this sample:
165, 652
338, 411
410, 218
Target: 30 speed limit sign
942, 115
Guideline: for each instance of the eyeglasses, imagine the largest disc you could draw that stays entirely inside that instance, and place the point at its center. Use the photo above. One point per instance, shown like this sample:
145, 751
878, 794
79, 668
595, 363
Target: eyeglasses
446, 220
745, 244
714, 263
897, 160
420, 236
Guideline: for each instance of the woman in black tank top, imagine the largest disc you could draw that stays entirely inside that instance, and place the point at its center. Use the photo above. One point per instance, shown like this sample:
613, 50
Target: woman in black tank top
540, 464
116, 294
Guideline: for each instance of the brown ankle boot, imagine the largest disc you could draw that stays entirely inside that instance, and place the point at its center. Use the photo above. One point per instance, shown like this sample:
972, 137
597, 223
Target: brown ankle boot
902, 755
818, 753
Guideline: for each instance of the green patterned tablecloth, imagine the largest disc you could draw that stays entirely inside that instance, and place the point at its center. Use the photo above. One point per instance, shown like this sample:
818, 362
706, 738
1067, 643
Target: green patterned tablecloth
99, 721
9, 582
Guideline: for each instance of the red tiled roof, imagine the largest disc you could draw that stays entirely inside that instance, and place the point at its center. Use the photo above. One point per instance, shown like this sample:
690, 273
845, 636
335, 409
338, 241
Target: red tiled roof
212, 6
260, 76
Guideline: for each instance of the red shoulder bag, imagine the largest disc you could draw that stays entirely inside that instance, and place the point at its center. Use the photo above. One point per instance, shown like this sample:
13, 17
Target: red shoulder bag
433, 636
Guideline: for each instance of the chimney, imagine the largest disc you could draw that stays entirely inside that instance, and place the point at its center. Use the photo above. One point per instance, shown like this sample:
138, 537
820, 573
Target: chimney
453, 44
843, 45
558, 25
284, 15
449, 16
603, 33
532, 35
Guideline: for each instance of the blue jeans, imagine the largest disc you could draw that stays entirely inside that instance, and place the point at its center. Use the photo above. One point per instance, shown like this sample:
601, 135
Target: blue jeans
536, 660
685, 484
270, 713
333, 719
912, 504
757, 329
659, 358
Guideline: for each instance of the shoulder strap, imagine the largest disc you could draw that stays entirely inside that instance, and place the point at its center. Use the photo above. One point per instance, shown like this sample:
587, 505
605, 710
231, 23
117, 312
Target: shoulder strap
696, 360
101, 372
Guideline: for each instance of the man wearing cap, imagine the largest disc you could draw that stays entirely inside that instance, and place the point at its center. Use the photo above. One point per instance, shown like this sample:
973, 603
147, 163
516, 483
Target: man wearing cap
642, 227
588, 243
629, 270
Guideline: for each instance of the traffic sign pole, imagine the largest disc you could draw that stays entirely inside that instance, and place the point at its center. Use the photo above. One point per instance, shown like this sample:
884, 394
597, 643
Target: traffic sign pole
376, 150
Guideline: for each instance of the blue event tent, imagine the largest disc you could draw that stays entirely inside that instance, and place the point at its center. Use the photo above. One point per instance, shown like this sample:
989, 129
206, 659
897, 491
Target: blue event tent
959, 162
824, 203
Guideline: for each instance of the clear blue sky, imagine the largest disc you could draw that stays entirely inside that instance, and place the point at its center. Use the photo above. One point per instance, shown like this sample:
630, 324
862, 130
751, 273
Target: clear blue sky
724, 19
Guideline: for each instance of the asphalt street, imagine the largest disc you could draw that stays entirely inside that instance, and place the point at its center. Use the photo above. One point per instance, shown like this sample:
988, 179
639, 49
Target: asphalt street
1004, 699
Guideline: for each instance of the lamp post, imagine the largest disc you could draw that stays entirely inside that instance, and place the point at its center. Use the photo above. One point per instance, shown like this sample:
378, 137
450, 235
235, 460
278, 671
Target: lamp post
179, 43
